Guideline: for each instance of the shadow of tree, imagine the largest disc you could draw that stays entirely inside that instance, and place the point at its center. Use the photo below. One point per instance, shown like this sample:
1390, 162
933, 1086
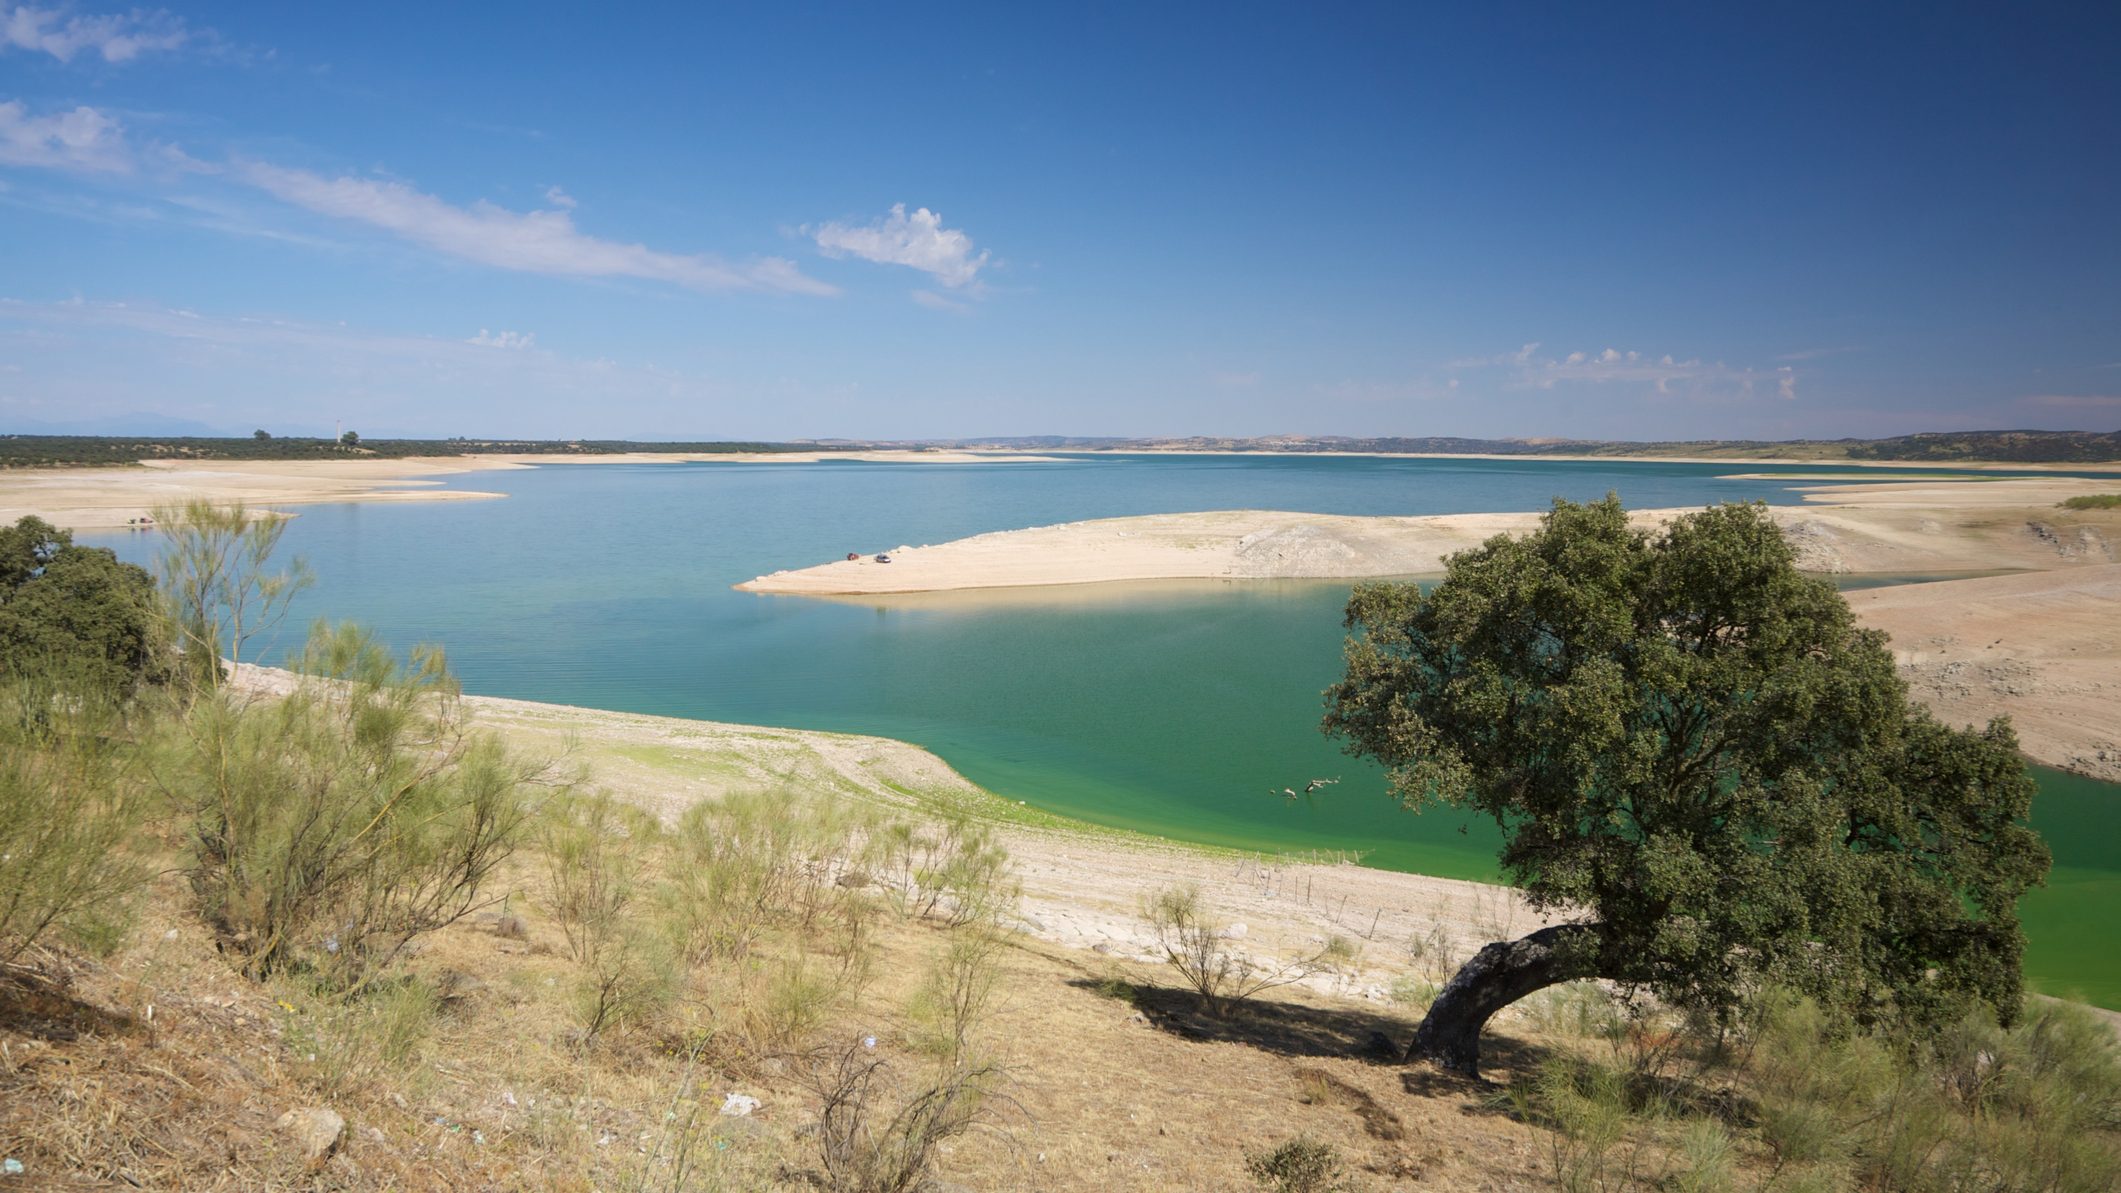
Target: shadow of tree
1283, 1028
44, 1009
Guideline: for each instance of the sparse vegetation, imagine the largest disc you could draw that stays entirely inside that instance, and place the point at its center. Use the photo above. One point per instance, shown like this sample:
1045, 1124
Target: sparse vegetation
2093, 501
1200, 948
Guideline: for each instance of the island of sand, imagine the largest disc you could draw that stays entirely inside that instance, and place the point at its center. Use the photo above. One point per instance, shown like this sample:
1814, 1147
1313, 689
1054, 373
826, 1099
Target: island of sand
2043, 646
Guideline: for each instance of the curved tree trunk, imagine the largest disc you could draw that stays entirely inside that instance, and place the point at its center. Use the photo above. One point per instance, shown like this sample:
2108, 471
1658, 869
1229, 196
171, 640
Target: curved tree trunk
1496, 976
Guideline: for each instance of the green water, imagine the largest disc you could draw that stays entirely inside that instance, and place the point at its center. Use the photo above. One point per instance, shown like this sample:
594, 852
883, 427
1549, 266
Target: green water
1176, 709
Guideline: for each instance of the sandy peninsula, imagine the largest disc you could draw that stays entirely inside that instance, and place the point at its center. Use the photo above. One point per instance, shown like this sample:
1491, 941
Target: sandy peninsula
111, 497
1914, 527
2044, 646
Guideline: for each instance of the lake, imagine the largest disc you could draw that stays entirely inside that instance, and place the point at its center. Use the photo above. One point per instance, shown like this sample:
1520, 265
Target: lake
1179, 709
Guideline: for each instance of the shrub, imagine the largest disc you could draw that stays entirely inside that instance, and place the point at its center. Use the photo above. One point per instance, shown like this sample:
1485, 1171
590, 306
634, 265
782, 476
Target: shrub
1198, 947
71, 801
957, 991
596, 850
871, 1137
2093, 501
340, 822
1302, 1165
215, 588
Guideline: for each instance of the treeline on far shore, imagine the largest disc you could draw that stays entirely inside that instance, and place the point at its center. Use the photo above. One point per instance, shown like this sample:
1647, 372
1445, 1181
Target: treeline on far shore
51, 451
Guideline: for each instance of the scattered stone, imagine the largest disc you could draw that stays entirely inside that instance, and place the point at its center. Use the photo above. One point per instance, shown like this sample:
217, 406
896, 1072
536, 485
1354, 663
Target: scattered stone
1236, 932
315, 1130
372, 1134
739, 1105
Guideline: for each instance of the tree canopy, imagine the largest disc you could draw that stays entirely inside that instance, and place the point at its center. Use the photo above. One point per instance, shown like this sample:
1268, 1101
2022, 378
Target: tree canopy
75, 610
1702, 765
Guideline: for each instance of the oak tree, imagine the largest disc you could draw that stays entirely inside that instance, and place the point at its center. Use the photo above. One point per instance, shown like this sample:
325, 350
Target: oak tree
1703, 769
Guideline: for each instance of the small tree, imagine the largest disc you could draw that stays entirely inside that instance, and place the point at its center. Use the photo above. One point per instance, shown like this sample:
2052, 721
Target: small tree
216, 587
261, 434
1703, 765
350, 439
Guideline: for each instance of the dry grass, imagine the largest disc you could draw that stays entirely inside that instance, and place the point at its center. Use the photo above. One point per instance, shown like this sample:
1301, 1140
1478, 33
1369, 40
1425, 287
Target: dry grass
493, 1090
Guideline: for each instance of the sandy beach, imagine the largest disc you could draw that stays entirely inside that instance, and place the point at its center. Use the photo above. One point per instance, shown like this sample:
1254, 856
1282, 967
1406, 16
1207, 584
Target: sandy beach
108, 498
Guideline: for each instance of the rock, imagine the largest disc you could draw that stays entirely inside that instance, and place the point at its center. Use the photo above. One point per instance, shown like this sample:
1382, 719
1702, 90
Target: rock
1236, 932
315, 1130
739, 1105
1102, 946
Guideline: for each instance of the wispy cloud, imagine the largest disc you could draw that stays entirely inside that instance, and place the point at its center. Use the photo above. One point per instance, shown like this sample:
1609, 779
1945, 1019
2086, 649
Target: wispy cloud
513, 340
917, 240
65, 35
82, 140
544, 241
1663, 373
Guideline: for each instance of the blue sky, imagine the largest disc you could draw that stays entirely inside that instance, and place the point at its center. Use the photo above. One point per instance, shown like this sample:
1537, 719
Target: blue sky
937, 220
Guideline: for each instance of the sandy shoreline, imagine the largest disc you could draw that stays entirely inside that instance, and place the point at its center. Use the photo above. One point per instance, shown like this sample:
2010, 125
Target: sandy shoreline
1082, 886
1917, 527
104, 498
2044, 647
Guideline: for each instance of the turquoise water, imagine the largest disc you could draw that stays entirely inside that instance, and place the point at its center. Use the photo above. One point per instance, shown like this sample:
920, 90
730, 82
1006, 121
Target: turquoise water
1179, 709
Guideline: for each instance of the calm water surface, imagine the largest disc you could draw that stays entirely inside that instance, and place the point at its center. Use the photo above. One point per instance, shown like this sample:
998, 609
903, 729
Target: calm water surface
1175, 709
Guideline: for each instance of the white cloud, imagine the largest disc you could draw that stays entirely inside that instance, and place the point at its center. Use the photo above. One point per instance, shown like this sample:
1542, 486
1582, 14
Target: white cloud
544, 241
117, 37
515, 340
83, 139
918, 241
1662, 373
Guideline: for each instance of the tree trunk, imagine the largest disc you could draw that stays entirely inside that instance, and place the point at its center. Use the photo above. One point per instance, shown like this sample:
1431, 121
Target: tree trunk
1496, 976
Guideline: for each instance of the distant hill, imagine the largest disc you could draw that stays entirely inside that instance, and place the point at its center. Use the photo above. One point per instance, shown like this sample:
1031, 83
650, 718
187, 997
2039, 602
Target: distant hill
2016, 447
2007, 447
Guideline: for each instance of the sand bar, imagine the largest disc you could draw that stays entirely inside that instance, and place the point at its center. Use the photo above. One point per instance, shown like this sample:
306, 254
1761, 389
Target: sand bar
1920, 527
104, 498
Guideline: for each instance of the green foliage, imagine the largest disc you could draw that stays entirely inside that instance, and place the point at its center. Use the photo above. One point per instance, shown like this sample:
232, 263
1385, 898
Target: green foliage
2034, 1106
71, 800
954, 998
2093, 501
216, 588
1302, 1165
75, 611
335, 824
596, 851
1693, 746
